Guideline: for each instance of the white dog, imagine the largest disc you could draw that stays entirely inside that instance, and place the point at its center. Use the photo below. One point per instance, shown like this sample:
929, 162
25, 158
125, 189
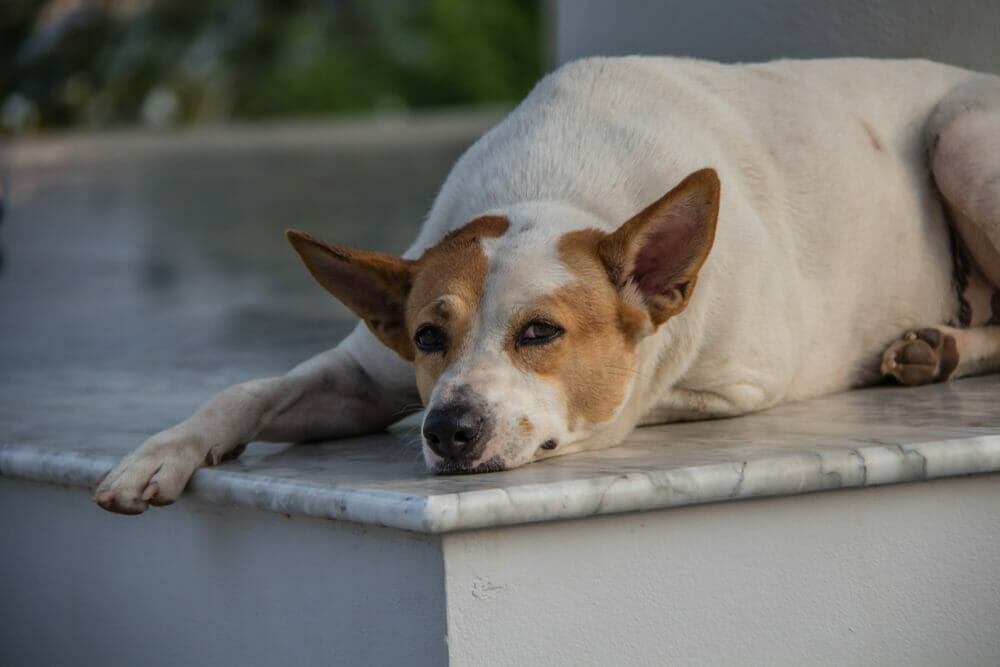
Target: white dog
825, 223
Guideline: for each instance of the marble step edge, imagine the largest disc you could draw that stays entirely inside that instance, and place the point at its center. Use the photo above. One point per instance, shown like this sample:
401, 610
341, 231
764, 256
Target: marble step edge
801, 472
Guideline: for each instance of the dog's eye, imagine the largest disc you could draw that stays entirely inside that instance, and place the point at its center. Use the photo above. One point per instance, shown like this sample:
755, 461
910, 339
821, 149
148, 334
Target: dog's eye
430, 338
537, 333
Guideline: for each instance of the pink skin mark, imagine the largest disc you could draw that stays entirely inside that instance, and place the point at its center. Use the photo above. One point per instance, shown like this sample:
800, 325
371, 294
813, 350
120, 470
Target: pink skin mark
876, 143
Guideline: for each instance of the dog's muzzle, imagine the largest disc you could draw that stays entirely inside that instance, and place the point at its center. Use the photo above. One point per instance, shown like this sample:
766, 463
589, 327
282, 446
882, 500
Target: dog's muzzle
458, 433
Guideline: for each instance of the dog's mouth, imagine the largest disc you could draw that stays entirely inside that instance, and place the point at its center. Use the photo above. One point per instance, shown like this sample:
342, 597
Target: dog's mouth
493, 464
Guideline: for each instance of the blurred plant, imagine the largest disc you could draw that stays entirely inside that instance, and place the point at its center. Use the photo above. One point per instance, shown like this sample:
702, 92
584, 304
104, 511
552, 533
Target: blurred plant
100, 62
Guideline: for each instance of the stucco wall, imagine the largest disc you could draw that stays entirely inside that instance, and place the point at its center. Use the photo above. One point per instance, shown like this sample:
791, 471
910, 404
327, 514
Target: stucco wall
963, 33
895, 575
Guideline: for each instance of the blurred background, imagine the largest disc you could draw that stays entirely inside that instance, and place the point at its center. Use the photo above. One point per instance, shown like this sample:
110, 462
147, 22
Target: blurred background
162, 63
95, 63
152, 153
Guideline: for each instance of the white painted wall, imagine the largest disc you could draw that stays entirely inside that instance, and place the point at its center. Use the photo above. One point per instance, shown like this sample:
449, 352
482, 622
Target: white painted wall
961, 32
895, 575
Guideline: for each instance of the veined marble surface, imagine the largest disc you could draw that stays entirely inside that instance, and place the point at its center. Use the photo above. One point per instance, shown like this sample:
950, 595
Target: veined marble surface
135, 284
882, 435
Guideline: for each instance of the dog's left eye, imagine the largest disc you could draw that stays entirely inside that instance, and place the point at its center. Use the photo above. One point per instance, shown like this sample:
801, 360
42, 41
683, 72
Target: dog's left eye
430, 338
537, 333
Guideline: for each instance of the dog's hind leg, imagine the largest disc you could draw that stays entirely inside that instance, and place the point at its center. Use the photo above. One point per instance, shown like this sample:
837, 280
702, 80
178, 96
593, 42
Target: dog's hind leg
359, 387
963, 140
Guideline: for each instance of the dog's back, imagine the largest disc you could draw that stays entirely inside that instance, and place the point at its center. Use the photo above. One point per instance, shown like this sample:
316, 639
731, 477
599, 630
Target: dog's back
830, 241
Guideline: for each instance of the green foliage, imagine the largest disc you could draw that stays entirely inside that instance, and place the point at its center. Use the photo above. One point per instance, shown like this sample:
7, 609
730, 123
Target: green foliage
114, 61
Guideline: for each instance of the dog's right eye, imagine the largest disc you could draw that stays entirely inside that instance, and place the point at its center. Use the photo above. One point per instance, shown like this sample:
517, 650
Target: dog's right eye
430, 338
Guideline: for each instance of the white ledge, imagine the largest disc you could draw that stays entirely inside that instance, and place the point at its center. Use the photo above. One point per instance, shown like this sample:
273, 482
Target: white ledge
863, 438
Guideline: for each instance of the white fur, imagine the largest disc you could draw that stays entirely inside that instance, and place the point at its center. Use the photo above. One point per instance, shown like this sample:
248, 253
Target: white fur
826, 248
830, 241
524, 264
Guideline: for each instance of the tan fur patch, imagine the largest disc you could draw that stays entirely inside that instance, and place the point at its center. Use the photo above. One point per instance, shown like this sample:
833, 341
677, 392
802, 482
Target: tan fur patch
593, 361
447, 288
629, 282
580, 251
527, 428
372, 284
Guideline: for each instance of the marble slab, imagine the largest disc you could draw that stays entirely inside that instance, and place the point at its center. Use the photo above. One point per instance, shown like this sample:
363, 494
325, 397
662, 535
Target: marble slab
142, 273
883, 435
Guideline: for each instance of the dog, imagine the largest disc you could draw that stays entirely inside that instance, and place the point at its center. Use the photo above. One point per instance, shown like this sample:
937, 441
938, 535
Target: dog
645, 240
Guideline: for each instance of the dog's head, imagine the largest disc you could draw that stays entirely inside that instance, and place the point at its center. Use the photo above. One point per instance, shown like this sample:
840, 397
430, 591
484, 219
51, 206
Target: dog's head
523, 335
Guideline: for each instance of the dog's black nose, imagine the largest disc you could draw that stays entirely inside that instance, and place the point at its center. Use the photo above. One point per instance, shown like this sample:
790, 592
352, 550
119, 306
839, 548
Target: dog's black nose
456, 432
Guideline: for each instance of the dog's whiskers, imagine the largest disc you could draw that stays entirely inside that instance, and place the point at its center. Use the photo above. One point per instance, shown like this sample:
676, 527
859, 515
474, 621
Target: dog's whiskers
408, 409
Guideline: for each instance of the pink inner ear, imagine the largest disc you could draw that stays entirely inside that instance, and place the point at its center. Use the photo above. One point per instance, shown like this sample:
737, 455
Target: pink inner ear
665, 254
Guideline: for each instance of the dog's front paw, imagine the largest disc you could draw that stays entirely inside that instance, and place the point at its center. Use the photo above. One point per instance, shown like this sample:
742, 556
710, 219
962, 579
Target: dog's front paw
921, 356
155, 474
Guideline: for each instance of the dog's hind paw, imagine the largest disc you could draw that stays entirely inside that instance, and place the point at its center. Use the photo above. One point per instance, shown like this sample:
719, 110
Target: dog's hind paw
921, 356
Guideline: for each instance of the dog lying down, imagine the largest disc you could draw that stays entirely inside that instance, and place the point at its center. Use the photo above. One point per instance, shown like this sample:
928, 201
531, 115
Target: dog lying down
645, 240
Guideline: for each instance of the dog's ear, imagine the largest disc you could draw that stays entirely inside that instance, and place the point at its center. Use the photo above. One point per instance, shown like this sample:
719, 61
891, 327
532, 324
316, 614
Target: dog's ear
659, 251
372, 284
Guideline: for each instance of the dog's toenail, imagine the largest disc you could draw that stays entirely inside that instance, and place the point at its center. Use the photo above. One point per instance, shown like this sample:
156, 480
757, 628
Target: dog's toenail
151, 491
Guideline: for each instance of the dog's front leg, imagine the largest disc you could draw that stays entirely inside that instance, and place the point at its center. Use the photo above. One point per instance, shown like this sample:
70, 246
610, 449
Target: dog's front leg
357, 388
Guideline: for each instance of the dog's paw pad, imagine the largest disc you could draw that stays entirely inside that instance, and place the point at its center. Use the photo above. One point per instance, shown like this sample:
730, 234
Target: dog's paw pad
921, 356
